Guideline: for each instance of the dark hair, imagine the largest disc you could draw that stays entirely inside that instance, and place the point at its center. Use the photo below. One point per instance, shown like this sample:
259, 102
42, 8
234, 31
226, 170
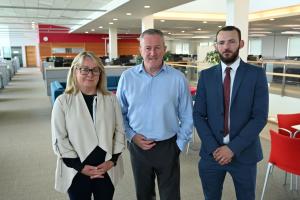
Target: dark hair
152, 31
230, 28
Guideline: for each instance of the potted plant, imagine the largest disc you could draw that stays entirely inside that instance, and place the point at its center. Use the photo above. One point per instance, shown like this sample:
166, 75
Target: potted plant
212, 57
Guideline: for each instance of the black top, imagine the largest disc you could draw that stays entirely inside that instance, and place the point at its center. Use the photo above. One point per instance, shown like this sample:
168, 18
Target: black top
97, 156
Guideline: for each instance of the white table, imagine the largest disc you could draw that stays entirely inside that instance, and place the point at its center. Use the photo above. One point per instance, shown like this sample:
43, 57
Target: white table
296, 127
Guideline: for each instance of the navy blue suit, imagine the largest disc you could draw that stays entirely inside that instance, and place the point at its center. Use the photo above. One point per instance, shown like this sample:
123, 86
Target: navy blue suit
248, 116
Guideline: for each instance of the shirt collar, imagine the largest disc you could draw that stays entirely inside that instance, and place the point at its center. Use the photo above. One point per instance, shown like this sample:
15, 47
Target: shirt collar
233, 66
142, 69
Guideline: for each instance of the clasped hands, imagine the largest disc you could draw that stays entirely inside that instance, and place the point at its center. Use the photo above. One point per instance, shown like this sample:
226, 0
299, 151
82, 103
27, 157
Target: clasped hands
143, 142
223, 155
97, 171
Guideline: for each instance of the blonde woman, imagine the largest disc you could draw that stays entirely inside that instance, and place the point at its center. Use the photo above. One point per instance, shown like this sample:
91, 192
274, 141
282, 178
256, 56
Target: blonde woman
87, 133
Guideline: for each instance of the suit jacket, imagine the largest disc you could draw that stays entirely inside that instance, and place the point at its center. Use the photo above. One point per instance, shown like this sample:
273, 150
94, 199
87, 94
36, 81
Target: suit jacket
74, 134
248, 112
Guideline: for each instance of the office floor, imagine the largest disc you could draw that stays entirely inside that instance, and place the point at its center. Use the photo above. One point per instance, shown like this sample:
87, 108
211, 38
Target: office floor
27, 163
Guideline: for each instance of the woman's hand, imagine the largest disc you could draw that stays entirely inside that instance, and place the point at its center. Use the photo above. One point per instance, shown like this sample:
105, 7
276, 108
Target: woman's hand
102, 169
89, 170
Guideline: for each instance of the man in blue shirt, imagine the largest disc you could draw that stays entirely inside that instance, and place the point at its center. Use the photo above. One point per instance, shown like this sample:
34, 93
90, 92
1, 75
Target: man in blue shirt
157, 112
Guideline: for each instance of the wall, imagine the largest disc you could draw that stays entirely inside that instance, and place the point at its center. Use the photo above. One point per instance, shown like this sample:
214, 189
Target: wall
59, 37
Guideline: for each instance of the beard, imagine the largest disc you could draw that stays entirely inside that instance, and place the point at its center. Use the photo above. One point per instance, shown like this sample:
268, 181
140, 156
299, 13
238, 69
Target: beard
229, 59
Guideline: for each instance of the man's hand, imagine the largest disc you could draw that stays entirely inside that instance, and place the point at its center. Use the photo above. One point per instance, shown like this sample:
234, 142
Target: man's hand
141, 141
223, 155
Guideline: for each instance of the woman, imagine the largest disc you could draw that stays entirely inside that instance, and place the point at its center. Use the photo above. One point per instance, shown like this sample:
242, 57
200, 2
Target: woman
87, 133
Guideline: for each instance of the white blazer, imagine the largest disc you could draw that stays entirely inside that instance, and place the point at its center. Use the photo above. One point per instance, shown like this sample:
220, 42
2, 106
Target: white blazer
74, 134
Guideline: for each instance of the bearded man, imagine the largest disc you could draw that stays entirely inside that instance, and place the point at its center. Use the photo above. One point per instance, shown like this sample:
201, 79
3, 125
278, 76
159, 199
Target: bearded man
230, 110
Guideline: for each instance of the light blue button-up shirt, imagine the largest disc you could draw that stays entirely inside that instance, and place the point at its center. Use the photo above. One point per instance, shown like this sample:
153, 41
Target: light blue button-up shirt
158, 107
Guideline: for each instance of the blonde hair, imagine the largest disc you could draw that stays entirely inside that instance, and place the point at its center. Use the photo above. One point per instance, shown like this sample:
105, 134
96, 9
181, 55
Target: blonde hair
72, 87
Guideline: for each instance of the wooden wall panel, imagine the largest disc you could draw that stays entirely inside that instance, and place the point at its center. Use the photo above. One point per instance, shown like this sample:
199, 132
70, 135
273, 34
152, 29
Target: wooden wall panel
67, 45
128, 48
97, 48
30, 56
45, 50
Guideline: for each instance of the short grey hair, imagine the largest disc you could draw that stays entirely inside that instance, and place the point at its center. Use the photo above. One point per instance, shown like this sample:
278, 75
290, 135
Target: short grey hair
152, 31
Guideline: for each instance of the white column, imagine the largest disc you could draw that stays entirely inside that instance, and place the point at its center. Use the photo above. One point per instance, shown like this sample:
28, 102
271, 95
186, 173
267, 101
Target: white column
113, 43
147, 22
237, 15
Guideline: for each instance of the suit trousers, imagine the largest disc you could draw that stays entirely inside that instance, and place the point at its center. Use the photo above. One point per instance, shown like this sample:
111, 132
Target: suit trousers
212, 176
162, 161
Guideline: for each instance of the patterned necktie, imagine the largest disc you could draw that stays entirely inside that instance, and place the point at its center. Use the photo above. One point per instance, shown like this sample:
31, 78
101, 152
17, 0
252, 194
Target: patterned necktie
226, 86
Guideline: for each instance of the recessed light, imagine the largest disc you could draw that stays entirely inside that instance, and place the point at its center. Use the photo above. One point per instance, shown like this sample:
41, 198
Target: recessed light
182, 31
272, 19
115, 19
100, 27
162, 20
204, 22
128, 14
199, 29
220, 26
169, 33
146, 6
86, 32
92, 29
111, 23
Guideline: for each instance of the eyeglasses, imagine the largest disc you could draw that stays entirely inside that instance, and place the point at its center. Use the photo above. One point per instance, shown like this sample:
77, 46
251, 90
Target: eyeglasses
85, 71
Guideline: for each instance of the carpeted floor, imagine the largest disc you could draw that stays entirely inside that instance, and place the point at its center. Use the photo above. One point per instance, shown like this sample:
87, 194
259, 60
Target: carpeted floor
27, 163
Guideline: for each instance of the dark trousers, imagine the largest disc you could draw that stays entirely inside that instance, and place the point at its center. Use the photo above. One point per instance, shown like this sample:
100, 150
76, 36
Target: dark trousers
212, 177
83, 187
162, 161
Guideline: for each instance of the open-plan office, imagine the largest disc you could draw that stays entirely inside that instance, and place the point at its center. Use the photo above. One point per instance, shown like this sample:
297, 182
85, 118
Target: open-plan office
39, 39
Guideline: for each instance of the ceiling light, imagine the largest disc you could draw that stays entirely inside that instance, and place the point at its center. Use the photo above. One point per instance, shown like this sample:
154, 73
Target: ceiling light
100, 27
92, 29
220, 26
296, 28
128, 14
272, 19
291, 25
162, 20
204, 22
291, 32
169, 33
111, 23
86, 32
33, 22
182, 31
199, 29
260, 32
201, 37
146, 6
115, 19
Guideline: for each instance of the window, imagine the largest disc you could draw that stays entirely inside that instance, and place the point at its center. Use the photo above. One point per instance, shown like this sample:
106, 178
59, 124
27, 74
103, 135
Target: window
293, 46
182, 48
254, 47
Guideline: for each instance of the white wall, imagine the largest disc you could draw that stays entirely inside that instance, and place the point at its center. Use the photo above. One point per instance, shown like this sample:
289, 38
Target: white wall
283, 105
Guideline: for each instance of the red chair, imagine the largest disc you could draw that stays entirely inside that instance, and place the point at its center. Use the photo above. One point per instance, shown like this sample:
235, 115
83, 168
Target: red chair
284, 155
285, 123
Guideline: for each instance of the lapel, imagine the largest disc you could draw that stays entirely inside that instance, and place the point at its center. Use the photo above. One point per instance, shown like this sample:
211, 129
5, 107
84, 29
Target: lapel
239, 76
219, 86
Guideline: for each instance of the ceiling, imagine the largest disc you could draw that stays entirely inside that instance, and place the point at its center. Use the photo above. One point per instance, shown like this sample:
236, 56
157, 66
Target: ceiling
19, 16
